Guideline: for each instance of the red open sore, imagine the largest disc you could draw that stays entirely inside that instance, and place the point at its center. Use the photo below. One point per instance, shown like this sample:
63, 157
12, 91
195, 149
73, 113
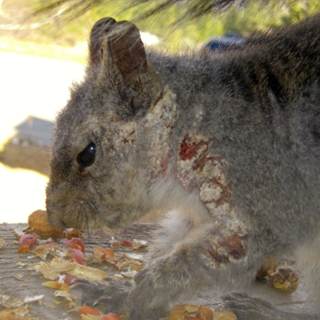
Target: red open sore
189, 148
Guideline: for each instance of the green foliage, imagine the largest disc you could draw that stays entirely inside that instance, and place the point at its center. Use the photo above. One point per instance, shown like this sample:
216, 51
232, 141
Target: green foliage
75, 25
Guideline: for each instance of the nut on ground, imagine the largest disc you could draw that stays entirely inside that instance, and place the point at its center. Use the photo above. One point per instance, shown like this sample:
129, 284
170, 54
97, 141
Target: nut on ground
284, 278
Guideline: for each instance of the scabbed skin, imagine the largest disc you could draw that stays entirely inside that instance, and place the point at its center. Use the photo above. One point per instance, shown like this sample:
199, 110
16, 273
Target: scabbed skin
227, 143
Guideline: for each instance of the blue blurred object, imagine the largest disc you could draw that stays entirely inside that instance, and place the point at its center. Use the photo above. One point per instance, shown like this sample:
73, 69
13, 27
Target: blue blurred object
223, 43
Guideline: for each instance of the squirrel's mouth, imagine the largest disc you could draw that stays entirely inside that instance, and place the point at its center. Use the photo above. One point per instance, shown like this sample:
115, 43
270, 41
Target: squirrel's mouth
90, 214
55, 220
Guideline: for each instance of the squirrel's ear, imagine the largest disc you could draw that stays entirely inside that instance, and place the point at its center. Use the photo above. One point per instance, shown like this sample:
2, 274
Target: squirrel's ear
100, 30
123, 44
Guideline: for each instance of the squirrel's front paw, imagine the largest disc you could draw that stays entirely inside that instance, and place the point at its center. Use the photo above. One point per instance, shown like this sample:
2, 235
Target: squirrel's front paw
146, 301
112, 293
118, 296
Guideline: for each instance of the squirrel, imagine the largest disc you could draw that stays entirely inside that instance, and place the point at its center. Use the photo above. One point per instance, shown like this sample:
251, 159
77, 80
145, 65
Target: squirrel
227, 144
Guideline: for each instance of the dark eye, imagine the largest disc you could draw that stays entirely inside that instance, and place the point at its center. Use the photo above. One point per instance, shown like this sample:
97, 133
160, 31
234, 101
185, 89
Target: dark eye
87, 156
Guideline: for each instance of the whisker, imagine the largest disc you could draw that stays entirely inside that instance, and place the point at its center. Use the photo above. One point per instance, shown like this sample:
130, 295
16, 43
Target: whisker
101, 215
74, 209
33, 154
82, 218
92, 214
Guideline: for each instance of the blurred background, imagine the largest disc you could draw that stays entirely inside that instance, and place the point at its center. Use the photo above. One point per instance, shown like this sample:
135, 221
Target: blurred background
43, 49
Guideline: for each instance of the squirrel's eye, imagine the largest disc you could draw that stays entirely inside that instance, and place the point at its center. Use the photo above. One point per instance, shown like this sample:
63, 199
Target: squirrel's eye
87, 156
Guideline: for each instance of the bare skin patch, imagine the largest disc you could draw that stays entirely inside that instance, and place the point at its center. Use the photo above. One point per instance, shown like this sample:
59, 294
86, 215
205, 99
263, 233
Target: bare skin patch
227, 244
198, 169
127, 133
160, 120
192, 159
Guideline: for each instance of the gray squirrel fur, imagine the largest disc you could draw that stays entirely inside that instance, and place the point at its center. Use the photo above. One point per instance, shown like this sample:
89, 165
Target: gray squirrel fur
228, 144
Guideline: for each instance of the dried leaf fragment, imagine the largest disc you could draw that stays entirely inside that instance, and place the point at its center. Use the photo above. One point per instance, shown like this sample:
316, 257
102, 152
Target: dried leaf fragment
115, 244
66, 295
196, 312
51, 248
129, 274
19, 232
10, 302
89, 317
130, 260
2, 243
85, 309
88, 273
56, 285
180, 311
97, 252
110, 316
72, 233
224, 315
21, 264
61, 265
21, 313
44, 269
204, 313
109, 255
19, 277
135, 267
139, 244
101, 255
37, 298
